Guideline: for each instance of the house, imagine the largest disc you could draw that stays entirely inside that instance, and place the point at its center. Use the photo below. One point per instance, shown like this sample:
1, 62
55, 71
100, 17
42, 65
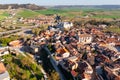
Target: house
64, 25
72, 50
62, 53
85, 38
4, 75
68, 64
111, 40
103, 25
112, 71
4, 53
102, 43
80, 69
73, 58
16, 43
34, 49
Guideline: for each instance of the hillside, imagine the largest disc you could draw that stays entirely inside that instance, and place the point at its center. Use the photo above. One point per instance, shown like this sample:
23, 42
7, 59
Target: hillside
27, 13
17, 6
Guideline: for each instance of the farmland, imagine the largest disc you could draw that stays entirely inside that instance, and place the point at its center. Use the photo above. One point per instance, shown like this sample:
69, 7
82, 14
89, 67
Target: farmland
3, 14
67, 12
27, 13
70, 14
92, 13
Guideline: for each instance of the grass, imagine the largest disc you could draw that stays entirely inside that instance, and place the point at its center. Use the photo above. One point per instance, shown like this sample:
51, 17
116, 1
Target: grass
20, 67
108, 14
62, 12
5, 41
28, 13
51, 11
113, 29
66, 12
3, 15
71, 12
100, 13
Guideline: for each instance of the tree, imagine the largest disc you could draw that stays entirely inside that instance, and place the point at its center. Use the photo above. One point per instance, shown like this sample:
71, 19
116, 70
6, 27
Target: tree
36, 31
54, 76
33, 66
25, 75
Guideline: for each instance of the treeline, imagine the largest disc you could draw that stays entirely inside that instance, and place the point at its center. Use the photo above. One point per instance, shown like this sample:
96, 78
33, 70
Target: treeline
17, 6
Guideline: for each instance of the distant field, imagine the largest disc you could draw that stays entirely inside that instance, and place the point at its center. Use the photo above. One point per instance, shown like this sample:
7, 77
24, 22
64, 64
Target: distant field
101, 13
68, 12
115, 30
93, 13
3, 15
27, 13
51, 11
55, 11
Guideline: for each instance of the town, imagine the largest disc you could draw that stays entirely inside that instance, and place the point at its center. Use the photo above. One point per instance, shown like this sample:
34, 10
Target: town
75, 50
86, 53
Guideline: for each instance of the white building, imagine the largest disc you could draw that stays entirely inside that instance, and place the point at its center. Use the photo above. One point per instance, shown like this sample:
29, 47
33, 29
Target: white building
85, 38
4, 75
65, 25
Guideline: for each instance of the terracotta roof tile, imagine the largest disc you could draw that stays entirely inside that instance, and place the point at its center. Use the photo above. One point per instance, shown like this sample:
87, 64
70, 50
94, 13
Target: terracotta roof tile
74, 73
2, 68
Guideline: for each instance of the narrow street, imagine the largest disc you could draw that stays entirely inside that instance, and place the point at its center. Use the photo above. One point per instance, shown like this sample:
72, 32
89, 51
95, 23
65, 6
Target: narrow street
54, 63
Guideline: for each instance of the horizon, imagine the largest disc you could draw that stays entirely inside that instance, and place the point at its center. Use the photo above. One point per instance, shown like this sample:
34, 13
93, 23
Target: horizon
65, 5
62, 2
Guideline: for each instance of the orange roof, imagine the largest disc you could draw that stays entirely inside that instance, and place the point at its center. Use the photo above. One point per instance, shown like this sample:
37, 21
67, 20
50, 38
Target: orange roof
102, 43
74, 73
62, 50
111, 40
87, 76
117, 43
15, 43
2, 68
85, 35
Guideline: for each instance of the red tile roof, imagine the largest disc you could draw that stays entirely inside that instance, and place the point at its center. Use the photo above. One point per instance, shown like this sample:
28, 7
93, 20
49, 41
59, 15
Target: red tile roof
85, 35
2, 68
74, 73
109, 40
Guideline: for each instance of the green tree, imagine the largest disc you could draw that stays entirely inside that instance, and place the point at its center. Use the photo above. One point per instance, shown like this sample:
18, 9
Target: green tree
36, 31
33, 67
25, 75
54, 76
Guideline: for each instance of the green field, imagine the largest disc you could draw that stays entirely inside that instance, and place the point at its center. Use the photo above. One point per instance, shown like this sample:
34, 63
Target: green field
102, 13
60, 12
3, 15
92, 13
27, 13
67, 12
113, 29
51, 11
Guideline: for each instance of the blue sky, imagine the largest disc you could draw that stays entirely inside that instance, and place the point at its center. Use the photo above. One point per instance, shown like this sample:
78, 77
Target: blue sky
63, 2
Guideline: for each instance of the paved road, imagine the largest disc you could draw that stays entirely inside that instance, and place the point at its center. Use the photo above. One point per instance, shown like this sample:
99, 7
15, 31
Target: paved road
16, 31
13, 48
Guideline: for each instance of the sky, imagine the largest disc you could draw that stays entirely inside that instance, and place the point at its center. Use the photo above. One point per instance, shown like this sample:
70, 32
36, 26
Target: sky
63, 2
